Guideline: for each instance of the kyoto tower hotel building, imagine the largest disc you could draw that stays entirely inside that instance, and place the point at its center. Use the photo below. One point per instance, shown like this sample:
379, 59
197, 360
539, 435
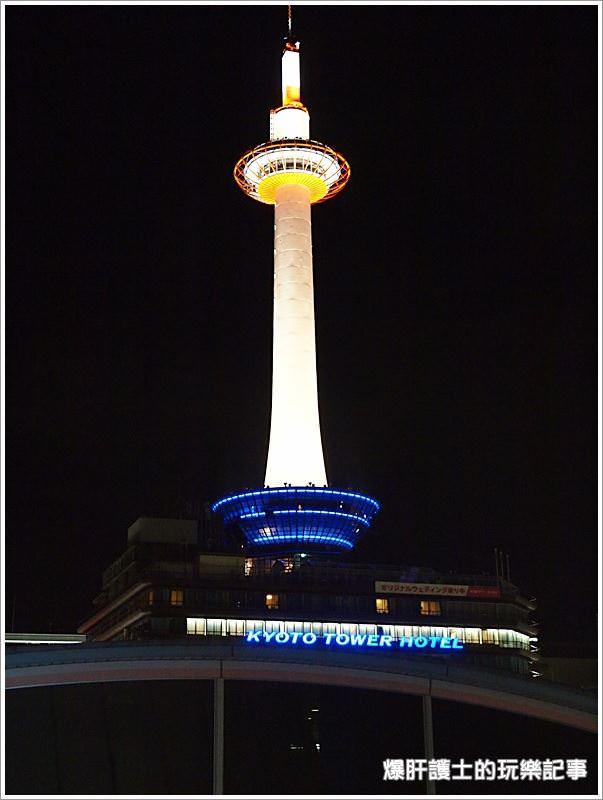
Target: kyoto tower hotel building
270, 560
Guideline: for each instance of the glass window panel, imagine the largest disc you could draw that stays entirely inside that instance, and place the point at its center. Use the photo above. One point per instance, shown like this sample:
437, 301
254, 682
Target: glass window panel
382, 605
490, 635
235, 627
350, 628
473, 635
176, 597
430, 607
216, 627
254, 625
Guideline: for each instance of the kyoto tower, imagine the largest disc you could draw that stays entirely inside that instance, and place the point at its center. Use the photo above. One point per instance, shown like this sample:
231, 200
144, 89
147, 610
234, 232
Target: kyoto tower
297, 509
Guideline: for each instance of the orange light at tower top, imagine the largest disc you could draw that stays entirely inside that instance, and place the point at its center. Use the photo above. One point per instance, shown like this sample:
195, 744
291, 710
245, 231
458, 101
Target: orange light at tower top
290, 72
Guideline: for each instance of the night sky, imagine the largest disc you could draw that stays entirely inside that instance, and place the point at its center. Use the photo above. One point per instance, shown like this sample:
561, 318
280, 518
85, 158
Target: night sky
454, 284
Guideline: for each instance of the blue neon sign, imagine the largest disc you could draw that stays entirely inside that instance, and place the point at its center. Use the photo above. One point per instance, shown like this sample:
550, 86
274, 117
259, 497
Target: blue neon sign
355, 640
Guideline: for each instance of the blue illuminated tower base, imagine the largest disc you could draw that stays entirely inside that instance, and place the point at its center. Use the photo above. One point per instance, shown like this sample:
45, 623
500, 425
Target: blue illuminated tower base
296, 518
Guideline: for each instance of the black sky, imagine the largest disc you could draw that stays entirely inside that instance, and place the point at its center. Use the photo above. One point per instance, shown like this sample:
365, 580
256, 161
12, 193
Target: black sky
455, 283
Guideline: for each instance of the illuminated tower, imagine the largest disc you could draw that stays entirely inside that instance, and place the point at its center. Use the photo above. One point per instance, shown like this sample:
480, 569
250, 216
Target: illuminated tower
296, 509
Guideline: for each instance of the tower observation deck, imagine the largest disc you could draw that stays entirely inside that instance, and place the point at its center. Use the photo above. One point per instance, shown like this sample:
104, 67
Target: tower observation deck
297, 509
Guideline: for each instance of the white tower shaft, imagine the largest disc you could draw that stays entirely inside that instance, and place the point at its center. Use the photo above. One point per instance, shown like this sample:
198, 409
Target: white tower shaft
295, 451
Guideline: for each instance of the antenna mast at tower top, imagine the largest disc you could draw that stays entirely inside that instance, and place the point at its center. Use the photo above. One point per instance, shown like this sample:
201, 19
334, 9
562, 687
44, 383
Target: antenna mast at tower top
290, 43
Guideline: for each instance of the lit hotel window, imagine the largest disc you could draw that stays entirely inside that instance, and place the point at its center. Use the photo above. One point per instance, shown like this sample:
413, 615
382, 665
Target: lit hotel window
382, 605
272, 601
151, 597
176, 597
430, 607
